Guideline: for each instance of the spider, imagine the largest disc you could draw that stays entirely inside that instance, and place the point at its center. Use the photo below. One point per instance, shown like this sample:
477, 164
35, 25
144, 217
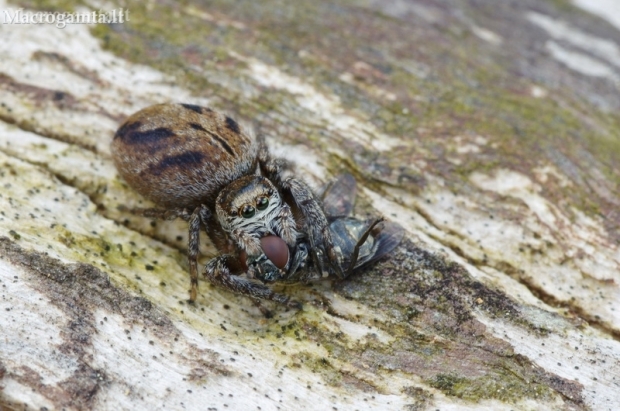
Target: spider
202, 166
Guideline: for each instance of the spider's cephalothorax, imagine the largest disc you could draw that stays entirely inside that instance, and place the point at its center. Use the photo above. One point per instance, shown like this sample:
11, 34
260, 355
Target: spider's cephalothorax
250, 208
203, 167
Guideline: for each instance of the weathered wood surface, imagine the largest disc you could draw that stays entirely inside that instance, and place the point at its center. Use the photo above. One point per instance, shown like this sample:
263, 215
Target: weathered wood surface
488, 129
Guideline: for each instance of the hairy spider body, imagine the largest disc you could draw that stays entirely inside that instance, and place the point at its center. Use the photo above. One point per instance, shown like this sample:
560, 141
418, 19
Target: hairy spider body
203, 167
182, 155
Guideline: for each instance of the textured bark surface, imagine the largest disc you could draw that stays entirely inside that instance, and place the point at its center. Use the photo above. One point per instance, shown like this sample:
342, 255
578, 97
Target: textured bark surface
488, 130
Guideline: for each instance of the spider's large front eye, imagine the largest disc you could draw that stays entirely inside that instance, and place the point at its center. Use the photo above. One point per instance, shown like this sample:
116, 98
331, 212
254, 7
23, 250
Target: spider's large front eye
262, 203
247, 211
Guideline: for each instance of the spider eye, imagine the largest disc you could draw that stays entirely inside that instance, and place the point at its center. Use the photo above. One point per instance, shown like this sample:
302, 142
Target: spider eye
247, 211
262, 203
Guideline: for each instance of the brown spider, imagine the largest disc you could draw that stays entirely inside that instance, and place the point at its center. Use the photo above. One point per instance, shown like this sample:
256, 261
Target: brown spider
201, 166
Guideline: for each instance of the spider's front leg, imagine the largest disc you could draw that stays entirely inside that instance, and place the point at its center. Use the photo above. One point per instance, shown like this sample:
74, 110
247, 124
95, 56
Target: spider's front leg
193, 248
247, 242
221, 272
284, 225
316, 227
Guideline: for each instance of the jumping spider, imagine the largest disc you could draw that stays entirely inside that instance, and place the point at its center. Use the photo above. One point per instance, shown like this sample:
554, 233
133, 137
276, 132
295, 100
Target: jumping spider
201, 166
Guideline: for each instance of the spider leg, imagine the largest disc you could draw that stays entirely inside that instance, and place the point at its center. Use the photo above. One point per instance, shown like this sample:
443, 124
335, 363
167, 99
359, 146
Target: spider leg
221, 270
285, 226
205, 215
247, 242
275, 169
193, 248
315, 225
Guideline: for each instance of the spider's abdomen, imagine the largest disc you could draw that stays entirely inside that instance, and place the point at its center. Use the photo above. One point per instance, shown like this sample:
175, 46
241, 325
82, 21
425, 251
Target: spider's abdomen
182, 155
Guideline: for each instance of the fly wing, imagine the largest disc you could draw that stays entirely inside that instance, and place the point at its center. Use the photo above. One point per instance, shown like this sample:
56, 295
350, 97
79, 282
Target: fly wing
389, 235
339, 197
347, 232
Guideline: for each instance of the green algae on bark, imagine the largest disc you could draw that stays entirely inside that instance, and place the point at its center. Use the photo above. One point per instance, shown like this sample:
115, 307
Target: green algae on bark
463, 94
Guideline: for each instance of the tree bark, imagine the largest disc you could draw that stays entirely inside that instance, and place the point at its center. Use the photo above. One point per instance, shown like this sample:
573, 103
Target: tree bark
488, 130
